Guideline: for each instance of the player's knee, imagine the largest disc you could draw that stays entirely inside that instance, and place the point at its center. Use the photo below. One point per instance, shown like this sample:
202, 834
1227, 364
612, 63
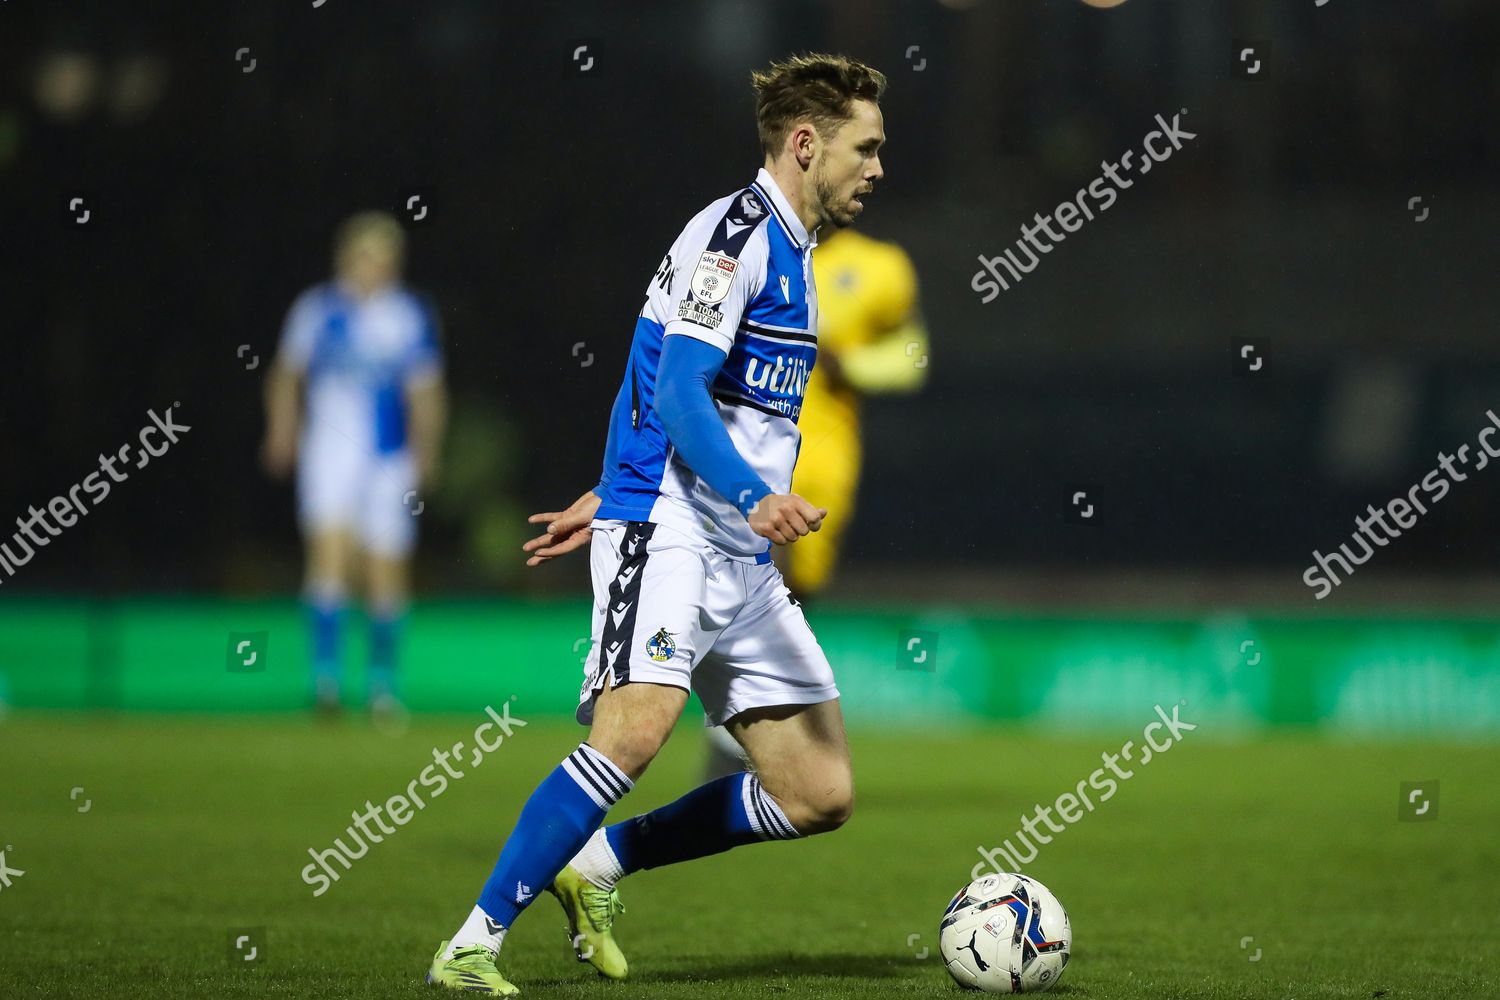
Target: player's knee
824, 813
631, 751
386, 583
632, 723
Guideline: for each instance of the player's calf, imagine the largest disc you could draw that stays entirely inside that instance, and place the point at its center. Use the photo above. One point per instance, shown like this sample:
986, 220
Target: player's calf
802, 759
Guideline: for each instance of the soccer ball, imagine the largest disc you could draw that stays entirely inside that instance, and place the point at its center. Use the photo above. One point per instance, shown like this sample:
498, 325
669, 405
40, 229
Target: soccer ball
1005, 934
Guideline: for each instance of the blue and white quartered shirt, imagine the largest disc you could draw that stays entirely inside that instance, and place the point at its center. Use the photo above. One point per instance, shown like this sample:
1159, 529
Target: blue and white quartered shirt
359, 356
739, 277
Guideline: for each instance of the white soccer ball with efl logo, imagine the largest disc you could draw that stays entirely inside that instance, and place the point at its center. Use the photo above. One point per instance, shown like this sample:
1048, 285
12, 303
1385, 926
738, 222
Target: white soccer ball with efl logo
1005, 933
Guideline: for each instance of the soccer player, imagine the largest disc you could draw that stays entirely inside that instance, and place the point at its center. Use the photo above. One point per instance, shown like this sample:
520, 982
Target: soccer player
361, 353
695, 488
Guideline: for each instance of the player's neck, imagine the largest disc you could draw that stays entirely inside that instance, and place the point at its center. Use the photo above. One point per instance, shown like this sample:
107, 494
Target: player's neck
798, 189
361, 290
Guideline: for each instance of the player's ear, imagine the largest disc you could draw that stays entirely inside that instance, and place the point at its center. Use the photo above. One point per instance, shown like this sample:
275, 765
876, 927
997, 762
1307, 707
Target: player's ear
804, 142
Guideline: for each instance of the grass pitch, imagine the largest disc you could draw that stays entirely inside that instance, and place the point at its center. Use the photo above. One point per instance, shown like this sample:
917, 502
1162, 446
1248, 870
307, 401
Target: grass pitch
1274, 867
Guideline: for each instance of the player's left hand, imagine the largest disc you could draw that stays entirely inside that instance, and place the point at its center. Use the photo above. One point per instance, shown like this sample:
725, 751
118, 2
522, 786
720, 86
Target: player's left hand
566, 530
428, 470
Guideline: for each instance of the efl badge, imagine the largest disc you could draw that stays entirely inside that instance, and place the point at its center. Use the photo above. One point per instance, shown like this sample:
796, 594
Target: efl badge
712, 277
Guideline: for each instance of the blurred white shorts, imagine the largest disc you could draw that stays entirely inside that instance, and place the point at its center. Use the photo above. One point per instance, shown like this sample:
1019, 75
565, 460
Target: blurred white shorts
371, 496
670, 609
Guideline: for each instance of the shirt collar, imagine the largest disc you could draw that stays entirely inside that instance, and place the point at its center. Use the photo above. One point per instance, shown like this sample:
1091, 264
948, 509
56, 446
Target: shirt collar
782, 209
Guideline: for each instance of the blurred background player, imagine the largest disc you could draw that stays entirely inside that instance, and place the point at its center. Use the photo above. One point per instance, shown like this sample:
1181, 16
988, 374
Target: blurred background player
355, 400
871, 342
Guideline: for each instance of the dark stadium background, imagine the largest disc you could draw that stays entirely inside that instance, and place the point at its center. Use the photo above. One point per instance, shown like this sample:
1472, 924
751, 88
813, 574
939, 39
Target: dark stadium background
553, 192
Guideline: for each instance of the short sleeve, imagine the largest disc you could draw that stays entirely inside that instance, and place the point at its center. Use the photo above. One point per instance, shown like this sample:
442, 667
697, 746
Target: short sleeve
299, 333
425, 359
728, 270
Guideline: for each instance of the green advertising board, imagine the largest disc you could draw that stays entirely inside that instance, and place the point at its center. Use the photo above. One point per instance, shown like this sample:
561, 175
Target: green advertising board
927, 666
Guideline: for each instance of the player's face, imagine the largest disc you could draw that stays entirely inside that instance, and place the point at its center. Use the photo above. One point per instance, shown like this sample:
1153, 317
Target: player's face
370, 263
850, 165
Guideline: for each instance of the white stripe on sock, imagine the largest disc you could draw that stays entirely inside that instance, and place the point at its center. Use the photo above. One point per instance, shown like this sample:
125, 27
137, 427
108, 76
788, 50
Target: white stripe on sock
587, 782
612, 777
597, 776
747, 792
621, 784
768, 819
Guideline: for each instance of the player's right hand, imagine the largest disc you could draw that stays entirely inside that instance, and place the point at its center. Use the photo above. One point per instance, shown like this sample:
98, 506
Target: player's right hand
785, 517
566, 530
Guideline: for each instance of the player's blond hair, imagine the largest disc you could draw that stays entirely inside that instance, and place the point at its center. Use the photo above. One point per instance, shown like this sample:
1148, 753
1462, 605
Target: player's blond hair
381, 225
816, 88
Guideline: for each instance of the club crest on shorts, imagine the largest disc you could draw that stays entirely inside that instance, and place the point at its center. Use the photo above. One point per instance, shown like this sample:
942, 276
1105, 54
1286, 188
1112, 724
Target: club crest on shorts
660, 646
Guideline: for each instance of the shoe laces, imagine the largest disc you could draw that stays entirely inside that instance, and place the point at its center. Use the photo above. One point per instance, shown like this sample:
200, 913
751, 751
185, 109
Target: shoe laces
602, 907
476, 957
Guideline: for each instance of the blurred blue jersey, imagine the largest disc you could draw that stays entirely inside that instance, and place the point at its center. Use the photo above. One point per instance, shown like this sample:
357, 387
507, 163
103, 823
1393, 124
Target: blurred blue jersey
359, 356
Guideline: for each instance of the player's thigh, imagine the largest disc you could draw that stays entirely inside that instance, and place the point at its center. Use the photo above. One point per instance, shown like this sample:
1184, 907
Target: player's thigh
633, 721
391, 507
767, 656
659, 603
388, 580
801, 755
331, 550
768, 679
330, 481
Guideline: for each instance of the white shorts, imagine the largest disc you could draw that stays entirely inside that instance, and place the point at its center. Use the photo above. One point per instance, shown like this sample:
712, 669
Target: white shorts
671, 609
372, 496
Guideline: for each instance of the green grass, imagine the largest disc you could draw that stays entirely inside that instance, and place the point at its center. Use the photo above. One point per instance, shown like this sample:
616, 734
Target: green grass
198, 825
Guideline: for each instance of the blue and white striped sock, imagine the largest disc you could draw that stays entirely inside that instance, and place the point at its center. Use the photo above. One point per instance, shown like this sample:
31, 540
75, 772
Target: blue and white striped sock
566, 808
711, 819
766, 817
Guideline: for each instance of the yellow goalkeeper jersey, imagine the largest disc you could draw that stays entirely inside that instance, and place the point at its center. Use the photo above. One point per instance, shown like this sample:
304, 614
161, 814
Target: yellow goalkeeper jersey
870, 342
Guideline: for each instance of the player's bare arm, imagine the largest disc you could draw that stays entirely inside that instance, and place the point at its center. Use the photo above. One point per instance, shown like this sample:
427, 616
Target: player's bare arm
427, 404
278, 452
